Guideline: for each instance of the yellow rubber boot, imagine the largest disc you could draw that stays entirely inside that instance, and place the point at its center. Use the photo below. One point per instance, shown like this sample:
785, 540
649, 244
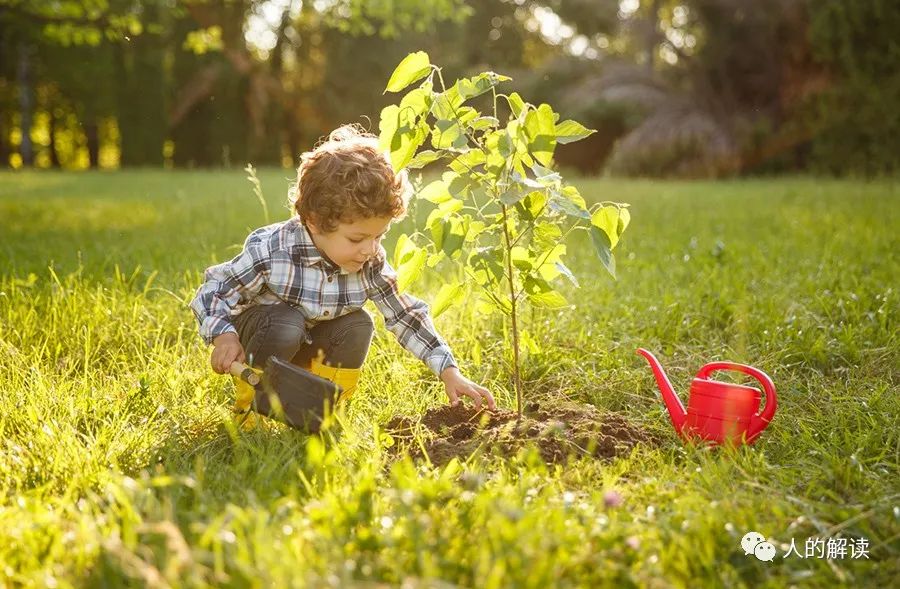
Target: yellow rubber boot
346, 378
244, 394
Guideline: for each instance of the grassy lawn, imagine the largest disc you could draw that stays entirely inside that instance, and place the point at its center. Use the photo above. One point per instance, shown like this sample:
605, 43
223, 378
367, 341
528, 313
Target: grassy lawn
120, 465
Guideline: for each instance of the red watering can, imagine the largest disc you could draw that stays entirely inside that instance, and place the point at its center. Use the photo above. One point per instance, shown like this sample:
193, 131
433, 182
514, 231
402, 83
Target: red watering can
718, 412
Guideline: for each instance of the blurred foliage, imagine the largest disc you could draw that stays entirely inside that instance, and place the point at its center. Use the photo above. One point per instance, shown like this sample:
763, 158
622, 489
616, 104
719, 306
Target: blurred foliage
859, 127
674, 87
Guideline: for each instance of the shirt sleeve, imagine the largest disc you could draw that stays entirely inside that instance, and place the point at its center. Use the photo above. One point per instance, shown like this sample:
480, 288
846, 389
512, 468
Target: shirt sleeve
407, 317
228, 285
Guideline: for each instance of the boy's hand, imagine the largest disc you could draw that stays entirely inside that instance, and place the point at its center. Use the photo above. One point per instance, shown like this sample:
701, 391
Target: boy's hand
227, 349
457, 384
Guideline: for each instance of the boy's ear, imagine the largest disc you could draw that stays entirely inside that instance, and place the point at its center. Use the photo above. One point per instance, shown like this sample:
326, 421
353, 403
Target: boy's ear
311, 225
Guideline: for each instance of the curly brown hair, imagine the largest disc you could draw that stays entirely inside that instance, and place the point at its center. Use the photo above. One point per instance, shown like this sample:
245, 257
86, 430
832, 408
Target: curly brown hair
346, 178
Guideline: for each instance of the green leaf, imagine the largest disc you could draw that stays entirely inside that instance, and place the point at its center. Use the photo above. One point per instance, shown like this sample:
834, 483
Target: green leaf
482, 123
478, 85
548, 268
457, 184
542, 294
526, 181
447, 134
541, 130
569, 202
410, 270
564, 270
521, 259
437, 234
450, 206
466, 114
604, 252
550, 300
546, 235
418, 101
624, 220
572, 195
423, 158
546, 176
403, 249
561, 204
495, 160
469, 160
607, 219
488, 303
504, 145
443, 211
400, 134
517, 138
449, 295
436, 192
569, 131
475, 229
513, 195
414, 66
446, 104
532, 205
487, 264
516, 104
454, 238
388, 124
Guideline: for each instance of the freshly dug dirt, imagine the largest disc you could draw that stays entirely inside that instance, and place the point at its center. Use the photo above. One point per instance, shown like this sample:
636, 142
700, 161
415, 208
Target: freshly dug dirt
558, 430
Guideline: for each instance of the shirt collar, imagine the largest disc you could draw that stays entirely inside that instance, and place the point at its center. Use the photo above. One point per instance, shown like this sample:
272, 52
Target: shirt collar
304, 250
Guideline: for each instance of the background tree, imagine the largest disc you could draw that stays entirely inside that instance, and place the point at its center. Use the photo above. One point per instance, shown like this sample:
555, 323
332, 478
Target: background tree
856, 122
673, 87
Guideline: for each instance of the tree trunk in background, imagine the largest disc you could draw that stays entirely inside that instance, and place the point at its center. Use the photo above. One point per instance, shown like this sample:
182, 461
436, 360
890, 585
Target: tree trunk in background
211, 122
294, 137
266, 147
228, 130
142, 119
54, 154
92, 134
26, 104
231, 129
5, 150
196, 76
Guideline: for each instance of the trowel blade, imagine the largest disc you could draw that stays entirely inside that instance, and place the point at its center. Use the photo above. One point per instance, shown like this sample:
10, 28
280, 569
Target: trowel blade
305, 398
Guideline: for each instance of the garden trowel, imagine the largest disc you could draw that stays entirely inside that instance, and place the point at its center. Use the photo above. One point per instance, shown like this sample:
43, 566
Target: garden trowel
289, 393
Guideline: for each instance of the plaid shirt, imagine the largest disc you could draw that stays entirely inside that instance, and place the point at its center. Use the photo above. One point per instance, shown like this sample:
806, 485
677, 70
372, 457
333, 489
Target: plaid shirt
280, 262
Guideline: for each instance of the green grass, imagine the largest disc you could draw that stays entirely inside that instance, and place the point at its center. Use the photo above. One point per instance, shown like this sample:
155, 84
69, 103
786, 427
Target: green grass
119, 465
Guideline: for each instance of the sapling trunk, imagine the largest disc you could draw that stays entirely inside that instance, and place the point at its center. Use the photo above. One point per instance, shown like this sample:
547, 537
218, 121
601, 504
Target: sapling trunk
517, 381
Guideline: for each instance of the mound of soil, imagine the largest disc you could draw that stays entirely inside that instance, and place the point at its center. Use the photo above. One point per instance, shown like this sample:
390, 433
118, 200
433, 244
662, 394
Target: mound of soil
557, 430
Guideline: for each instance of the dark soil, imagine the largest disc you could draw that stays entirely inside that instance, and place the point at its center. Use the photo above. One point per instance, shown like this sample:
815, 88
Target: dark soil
558, 430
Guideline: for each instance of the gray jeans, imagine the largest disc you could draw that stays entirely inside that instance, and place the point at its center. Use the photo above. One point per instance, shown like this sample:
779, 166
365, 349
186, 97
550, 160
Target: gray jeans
280, 330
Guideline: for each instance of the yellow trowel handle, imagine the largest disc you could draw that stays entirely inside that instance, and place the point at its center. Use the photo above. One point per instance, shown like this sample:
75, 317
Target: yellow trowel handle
244, 372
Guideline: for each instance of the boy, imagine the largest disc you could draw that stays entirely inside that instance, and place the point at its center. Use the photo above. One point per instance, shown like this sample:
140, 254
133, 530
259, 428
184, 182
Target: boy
297, 289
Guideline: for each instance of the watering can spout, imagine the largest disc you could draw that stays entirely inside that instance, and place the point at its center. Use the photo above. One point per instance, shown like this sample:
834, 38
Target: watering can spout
673, 403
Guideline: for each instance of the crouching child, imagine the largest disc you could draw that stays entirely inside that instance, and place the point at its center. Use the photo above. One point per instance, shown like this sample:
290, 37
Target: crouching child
296, 290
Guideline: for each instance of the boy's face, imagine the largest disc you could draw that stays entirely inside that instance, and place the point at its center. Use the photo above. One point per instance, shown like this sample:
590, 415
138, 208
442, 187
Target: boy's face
350, 245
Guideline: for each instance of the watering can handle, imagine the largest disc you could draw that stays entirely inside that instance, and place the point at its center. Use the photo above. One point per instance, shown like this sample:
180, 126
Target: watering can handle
762, 419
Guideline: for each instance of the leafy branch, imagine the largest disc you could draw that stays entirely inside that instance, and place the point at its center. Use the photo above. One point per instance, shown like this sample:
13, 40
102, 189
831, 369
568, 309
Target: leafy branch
499, 207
